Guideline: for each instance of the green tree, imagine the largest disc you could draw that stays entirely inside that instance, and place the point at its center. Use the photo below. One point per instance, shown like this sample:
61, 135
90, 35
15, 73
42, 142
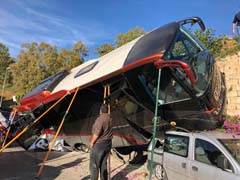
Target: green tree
80, 50
72, 58
38, 61
5, 61
28, 70
209, 40
129, 36
104, 49
67, 59
121, 39
48, 58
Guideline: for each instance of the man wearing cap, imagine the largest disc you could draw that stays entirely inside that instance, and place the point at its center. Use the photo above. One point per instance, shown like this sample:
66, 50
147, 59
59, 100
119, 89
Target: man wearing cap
100, 144
236, 26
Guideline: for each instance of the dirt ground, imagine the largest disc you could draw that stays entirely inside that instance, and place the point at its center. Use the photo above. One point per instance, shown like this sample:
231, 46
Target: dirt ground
17, 164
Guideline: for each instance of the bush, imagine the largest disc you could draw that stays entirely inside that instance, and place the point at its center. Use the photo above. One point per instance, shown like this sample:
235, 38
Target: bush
230, 47
209, 40
232, 124
219, 46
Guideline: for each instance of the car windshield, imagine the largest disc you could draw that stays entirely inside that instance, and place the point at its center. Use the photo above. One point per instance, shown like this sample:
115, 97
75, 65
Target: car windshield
233, 146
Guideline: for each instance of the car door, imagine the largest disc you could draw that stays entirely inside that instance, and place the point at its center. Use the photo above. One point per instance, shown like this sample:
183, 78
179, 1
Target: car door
175, 158
224, 175
206, 163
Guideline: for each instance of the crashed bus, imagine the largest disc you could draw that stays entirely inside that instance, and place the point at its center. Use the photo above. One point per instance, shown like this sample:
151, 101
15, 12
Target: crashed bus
192, 90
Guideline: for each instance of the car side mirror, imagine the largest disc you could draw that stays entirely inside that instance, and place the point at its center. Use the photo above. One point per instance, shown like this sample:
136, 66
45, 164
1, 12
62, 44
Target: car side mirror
175, 63
222, 163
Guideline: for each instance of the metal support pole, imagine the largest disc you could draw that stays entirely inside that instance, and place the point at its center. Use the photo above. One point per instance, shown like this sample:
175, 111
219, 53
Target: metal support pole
35, 121
9, 127
154, 126
108, 93
56, 135
105, 94
109, 158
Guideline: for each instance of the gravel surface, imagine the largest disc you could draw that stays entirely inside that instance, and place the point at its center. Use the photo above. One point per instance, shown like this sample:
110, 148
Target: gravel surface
17, 164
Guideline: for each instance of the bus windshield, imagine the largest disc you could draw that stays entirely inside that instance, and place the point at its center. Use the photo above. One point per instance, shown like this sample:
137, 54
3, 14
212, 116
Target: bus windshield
173, 80
187, 49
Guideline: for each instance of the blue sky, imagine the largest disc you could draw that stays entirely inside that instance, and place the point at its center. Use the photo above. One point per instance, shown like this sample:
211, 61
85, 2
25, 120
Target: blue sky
64, 22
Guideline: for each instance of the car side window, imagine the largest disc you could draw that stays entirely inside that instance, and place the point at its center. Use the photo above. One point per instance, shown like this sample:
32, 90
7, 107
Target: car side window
208, 153
176, 145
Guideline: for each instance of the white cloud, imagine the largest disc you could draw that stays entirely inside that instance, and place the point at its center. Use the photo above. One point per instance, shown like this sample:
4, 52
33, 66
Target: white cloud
31, 22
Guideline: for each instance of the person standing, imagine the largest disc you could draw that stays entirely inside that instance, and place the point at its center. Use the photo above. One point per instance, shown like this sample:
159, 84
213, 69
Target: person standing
100, 144
236, 26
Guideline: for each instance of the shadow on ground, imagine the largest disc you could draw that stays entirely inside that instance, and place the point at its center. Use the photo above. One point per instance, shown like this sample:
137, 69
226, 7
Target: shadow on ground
51, 172
132, 166
123, 174
22, 165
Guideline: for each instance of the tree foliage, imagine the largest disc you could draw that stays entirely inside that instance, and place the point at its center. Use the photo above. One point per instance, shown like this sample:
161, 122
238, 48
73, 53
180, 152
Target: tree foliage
219, 46
29, 69
5, 61
38, 61
121, 39
209, 39
104, 49
48, 56
229, 46
80, 50
129, 36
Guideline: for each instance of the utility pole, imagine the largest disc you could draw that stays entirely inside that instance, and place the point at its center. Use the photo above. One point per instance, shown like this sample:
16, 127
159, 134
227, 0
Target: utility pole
4, 82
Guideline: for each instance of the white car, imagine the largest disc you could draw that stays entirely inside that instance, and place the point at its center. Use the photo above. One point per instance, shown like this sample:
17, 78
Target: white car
196, 156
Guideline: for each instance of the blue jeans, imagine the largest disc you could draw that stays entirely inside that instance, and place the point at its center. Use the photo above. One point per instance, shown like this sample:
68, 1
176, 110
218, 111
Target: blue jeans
238, 34
98, 160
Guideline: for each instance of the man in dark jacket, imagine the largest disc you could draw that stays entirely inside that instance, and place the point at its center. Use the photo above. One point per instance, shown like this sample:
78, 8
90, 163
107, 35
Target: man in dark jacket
236, 26
100, 144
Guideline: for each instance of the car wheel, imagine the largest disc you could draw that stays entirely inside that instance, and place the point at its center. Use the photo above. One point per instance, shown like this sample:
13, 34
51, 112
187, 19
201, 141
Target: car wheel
160, 172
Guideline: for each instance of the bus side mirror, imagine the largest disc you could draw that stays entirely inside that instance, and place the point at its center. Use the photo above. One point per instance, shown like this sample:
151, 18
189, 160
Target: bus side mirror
174, 63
